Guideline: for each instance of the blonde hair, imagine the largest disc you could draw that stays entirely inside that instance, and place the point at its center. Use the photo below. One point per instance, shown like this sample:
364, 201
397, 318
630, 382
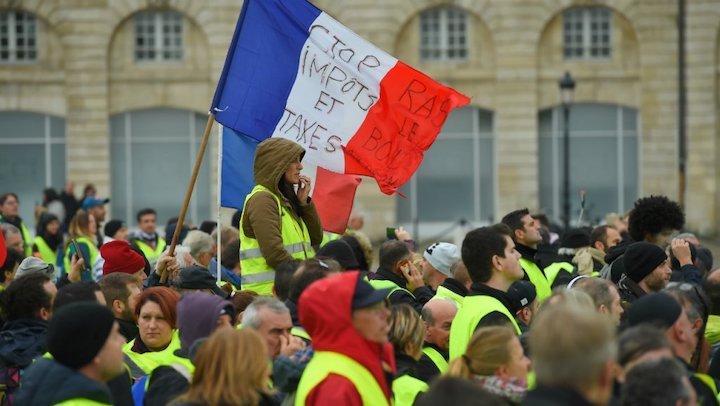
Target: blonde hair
230, 370
80, 226
488, 350
407, 330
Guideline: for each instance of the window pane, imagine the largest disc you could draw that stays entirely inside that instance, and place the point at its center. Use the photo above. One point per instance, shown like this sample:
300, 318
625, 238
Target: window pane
445, 185
443, 31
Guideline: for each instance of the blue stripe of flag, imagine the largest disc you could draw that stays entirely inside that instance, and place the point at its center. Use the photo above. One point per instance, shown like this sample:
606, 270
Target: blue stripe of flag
261, 65
237, 168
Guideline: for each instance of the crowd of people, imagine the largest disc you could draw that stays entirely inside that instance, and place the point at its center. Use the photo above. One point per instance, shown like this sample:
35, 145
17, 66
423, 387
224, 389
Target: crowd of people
521, 313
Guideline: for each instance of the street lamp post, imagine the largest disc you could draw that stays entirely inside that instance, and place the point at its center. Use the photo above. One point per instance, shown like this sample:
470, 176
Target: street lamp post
567, 89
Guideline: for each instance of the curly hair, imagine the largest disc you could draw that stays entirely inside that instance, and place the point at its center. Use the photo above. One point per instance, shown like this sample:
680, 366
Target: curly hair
653, 214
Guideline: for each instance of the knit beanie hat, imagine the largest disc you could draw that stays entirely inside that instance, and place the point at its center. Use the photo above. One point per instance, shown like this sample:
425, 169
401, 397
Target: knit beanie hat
641, 258
119, 257
197, 316
77, 333
441, 256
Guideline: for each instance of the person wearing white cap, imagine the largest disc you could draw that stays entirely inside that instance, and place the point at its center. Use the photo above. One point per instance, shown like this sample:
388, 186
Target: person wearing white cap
437, 260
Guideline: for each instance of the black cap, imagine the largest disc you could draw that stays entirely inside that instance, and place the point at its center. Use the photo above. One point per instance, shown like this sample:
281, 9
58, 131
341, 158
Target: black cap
522, 294
77, 333
197, 277
658, 309
575, 238
340, 251
365, 295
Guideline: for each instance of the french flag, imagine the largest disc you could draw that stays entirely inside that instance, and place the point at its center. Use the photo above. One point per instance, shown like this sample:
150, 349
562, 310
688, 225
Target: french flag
292, 71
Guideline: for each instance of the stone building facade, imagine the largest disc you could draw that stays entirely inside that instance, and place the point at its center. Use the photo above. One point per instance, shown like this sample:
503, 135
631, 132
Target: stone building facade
93, 95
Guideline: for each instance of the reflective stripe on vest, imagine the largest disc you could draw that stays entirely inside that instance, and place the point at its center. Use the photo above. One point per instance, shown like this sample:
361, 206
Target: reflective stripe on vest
46, 253
386, 284
537, 278
91, 248
445, 293
406, 388
324, 363
467, 318
300, 332
26, 239
151, 254
440, 362
150, 360
256, 274
708, 381
552, 270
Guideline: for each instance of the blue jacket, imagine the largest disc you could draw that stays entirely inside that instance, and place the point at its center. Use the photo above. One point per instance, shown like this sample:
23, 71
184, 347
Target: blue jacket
21, 341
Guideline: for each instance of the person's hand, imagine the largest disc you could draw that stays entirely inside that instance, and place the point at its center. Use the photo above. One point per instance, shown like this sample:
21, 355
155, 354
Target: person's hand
166, 263
76, 267
412, 275
303, 190
681, 251
402, 234
289, 345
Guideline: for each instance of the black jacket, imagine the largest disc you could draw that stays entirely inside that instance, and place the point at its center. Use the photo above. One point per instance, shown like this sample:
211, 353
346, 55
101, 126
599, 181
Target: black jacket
455, 286
47, 382
422, 294
551, 396
406, 365
21, 341
128, 329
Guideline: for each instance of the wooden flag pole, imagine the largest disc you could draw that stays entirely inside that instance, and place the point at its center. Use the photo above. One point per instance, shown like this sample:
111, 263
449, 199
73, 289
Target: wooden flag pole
191, 186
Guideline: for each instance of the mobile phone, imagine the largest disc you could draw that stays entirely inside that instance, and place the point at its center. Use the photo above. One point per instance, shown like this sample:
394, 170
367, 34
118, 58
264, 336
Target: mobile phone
390, 233
80, 254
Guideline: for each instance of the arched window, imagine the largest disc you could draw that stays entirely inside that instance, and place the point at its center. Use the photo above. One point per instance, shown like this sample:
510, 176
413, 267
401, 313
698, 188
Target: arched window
603, 160
587, 33
158, 36
456, 180
151, 157
444, 34
18, 37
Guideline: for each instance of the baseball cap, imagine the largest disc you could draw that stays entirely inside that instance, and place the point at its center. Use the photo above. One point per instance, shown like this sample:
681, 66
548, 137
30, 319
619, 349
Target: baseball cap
92, 201
522, 293
365, 295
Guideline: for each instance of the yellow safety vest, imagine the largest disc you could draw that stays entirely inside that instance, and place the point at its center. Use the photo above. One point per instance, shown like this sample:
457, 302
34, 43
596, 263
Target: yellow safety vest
151, 254
445, 293
467, 318
328, 236
437, 359
709, 381
386, 284
256, 274
81, 402
47, 254
91, 247
406, 388
300, 332
148, 361
536, 276
552, 270
712, 331
324, 363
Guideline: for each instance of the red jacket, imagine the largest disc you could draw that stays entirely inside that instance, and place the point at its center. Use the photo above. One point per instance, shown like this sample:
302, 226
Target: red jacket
325, 310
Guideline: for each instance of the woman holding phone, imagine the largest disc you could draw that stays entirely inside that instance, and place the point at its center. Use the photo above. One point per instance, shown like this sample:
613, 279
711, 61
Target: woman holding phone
82, 232
278, 222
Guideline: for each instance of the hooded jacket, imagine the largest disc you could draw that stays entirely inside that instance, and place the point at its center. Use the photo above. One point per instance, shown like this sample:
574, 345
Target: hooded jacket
260, 218
21, 341
47, 382
326, 312
197, 316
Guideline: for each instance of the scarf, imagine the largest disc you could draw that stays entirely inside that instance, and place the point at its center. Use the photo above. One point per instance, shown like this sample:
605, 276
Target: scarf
584, 260
513, 388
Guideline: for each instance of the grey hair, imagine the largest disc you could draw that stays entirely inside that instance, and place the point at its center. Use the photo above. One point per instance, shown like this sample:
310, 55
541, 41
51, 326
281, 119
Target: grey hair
251, 315
198, 242
9, 229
